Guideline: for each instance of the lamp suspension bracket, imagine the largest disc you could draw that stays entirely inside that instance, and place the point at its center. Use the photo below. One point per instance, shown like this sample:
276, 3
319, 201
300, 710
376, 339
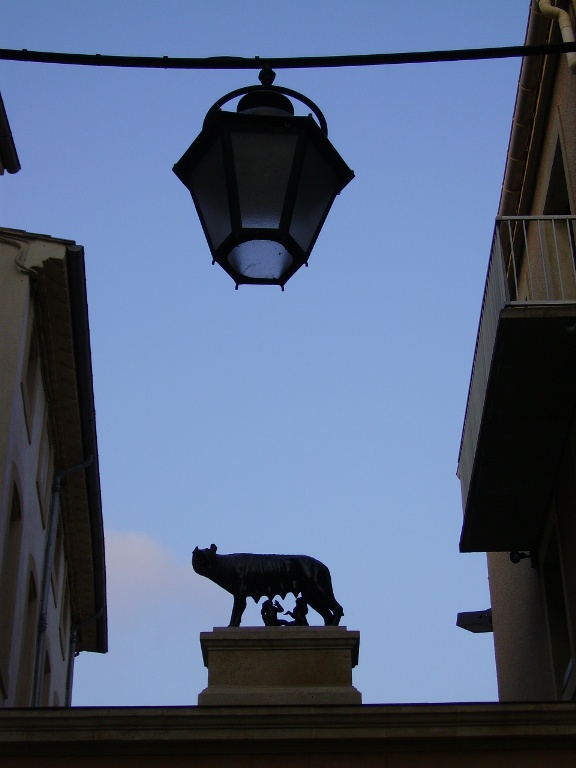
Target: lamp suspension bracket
263, 180
267, 77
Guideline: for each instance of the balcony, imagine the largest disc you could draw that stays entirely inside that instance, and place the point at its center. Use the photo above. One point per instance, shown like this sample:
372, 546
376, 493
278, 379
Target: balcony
522, 391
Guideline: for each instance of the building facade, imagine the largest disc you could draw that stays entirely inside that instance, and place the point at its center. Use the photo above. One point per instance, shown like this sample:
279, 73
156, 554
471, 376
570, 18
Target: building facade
52, 569
517, 463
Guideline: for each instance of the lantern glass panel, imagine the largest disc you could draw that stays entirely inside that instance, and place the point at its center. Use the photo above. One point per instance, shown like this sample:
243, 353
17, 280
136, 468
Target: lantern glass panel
317, 189
263, 259
263, 164
208, 185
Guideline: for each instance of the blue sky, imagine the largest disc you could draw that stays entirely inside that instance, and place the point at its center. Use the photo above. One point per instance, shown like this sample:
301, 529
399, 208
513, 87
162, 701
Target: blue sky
324, 420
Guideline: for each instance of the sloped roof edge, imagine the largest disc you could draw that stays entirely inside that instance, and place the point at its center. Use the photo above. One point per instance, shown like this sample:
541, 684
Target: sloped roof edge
540, 30
83, 359
8, 155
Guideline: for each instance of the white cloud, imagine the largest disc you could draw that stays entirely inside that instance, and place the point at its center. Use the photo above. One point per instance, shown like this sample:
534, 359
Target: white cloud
144, 578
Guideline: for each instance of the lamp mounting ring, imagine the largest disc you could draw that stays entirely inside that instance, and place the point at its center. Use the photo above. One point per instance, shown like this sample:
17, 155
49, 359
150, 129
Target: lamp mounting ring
267, 75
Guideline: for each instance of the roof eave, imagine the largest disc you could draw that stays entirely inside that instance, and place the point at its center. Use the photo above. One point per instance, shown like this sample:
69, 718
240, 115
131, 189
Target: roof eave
8, 156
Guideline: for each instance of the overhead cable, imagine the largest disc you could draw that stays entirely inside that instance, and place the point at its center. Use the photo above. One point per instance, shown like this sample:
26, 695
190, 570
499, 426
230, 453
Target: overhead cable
302, 62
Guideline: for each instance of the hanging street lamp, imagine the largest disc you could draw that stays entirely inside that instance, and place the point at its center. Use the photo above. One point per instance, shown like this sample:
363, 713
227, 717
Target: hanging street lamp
263, 181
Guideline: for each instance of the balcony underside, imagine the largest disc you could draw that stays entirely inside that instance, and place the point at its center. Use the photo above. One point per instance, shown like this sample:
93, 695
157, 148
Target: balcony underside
529, 405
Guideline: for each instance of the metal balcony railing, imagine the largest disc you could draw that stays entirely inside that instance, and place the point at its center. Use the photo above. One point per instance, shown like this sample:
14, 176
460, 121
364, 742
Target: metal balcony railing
532, 261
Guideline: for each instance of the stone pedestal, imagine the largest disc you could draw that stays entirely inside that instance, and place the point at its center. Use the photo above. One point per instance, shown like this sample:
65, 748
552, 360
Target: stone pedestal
279, 665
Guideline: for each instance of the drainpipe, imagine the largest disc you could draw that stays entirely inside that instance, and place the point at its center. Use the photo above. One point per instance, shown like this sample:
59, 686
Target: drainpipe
47, 576
526, 101
553, 12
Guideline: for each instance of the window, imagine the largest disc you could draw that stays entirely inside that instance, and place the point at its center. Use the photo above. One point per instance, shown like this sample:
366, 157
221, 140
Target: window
64, 627
9, 567
57, 562
44, 473
28, 647
557, 200
30, 383
558, 237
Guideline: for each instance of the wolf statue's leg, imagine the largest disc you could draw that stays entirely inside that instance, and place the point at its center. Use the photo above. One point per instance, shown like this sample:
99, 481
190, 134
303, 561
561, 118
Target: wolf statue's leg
237, 610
